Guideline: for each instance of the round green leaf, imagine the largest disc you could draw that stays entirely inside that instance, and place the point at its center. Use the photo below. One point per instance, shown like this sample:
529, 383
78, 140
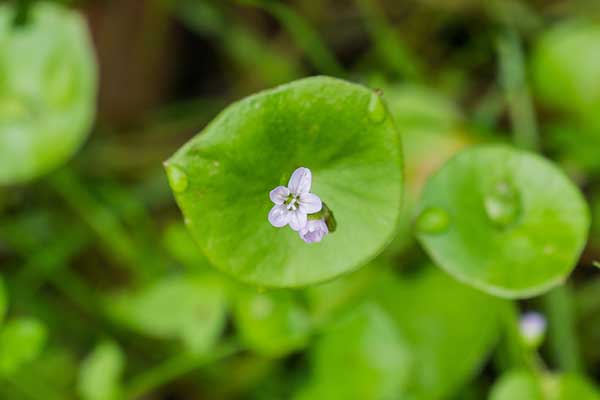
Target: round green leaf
47, 90
341, 132
21, 341
189, 309
100, 373
566, 67
515, 224
272, 323
523, 385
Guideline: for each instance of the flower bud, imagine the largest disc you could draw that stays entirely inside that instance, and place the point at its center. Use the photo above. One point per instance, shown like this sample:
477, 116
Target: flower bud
314, 231
532, 328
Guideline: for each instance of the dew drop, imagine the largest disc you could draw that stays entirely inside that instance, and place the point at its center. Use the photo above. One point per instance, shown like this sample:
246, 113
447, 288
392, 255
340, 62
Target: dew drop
177, 178
376, 109
433, 220
502, 204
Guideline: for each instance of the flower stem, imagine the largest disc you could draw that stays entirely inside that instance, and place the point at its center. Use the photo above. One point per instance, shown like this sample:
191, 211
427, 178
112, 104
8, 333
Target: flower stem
559, 310
516, 90
304, 35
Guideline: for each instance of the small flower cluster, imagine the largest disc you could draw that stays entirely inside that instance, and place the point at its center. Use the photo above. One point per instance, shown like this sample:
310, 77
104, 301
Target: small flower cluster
297, 207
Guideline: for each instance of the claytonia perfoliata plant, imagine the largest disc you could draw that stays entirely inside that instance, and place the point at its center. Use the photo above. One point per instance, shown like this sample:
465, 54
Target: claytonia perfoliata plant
294, 204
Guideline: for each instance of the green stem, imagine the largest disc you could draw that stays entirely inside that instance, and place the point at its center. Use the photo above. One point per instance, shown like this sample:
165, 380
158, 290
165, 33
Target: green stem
516, 90
173, 368
562, 339
513, 353
304, 35
390, 49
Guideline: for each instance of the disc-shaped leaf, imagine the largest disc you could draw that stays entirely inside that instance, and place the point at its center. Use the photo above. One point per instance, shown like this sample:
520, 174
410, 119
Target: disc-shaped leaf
503, 220
47, 90
338, 130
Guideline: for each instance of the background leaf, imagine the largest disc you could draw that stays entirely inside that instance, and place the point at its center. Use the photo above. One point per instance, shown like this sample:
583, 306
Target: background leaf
566, 65
191, 309
21, 341
360, 356
516, 224
272, 323
450, 329
100, 373
47, 90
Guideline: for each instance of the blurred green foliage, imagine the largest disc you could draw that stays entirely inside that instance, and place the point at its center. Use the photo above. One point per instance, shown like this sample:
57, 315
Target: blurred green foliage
108, 293
47, 90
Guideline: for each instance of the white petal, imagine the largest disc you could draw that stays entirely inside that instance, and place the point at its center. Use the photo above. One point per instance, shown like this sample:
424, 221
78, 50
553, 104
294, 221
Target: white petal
300, 181
298, 220
279, 194
310, 203
279, 216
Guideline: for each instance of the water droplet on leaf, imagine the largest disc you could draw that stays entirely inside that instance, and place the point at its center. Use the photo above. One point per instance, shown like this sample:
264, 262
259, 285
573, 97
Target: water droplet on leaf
502, 204
177, 178
376, 108
433, 220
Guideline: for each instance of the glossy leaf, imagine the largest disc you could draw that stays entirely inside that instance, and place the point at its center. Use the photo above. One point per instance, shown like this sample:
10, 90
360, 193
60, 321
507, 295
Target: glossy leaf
516, 224
360, 356
100, 373
341, 132
523, 385
272, 323
21, 341
190, 309
47, 90
450, 328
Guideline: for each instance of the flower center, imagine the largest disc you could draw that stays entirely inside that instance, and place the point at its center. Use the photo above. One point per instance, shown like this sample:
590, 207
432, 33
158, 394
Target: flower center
292, 202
